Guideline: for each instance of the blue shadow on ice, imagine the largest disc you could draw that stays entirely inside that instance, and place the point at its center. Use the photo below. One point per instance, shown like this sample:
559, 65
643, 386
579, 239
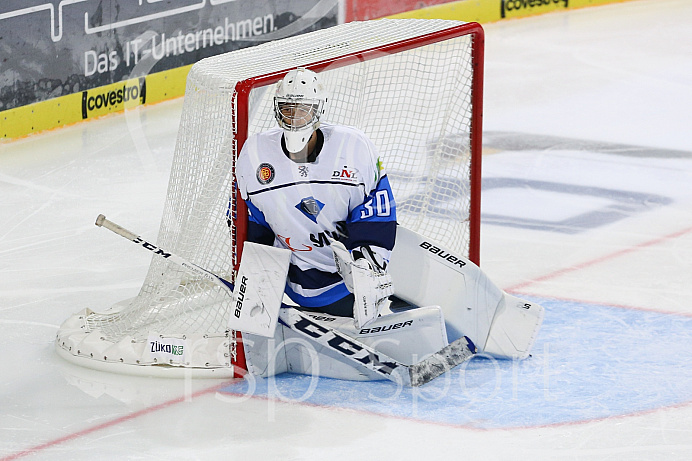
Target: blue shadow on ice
589, 362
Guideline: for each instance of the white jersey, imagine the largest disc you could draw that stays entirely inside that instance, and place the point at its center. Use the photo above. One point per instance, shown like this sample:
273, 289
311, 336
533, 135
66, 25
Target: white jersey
343, 194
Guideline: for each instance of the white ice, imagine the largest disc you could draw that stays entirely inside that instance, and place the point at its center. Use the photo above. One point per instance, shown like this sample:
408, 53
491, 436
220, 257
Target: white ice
619, 75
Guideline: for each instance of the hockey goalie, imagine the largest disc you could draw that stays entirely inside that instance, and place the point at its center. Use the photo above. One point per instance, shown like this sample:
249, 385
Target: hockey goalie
323, 241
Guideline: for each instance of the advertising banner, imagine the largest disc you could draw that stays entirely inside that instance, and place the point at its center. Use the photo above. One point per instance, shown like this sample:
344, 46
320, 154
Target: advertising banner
62, 61
464, 10
53, 48
362, 10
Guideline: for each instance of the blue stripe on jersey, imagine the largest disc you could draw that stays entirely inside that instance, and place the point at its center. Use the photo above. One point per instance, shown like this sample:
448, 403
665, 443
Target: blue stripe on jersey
259, 234
258, 231
328, 297
312, 279
377, 233
379, 205
254, 214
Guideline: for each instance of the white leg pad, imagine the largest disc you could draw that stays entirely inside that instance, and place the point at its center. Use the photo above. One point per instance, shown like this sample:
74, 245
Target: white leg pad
514, 328
425, 273
407, 337
266, 356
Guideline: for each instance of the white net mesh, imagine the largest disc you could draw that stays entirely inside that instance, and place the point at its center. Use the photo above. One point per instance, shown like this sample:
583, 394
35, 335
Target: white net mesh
415, 105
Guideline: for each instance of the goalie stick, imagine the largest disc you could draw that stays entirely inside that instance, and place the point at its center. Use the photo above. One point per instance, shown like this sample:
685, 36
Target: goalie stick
353, 350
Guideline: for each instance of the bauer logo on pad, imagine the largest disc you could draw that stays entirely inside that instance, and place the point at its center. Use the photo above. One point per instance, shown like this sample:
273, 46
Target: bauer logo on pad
259, 289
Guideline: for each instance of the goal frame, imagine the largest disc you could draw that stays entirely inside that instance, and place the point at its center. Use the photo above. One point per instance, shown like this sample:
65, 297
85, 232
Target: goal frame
171, 300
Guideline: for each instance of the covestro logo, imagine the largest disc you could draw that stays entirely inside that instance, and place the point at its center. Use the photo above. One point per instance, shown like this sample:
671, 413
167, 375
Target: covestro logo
510, 7
110, 98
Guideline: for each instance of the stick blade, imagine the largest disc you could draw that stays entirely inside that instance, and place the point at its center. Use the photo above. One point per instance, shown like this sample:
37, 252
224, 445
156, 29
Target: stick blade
440, 362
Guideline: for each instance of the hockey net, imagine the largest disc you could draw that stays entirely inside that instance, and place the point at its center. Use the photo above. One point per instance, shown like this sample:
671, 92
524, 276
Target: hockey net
413, 86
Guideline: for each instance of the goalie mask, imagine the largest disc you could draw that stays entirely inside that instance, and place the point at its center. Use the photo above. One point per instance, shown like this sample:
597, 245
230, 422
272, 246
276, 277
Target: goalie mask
298, 104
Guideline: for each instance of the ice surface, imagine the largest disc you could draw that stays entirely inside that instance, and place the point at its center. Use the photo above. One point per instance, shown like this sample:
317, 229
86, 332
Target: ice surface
586, 124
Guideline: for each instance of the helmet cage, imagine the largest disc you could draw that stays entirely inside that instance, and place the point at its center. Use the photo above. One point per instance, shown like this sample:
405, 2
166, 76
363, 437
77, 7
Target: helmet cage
297, 114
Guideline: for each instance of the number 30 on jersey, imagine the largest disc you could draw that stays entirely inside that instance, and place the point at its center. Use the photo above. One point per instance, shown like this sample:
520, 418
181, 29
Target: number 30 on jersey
377, 205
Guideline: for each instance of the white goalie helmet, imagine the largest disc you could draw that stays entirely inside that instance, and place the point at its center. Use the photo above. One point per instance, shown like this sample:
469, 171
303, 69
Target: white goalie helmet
298, 105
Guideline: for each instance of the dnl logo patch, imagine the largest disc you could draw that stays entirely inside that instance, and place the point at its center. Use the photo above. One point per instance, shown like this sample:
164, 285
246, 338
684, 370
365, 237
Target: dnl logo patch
310, 207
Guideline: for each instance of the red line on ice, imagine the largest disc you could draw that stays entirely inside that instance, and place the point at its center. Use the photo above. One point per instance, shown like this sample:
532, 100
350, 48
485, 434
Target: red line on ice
112, 422
601, 259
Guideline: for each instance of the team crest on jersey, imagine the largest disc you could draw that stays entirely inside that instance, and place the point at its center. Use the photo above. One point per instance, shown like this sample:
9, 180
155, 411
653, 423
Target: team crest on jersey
265, 173
310, 207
